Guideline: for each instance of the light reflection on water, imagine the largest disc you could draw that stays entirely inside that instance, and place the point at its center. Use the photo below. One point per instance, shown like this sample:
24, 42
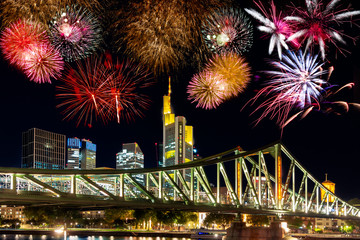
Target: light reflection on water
45, 237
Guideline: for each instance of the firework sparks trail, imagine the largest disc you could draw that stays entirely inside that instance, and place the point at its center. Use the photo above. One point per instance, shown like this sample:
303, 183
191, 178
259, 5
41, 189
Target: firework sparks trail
273, 25
123, 89
317, 24
102, 89
228, 30
76, 33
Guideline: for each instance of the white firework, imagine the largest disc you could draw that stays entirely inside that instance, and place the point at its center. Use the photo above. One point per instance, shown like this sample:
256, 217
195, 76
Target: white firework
273, 25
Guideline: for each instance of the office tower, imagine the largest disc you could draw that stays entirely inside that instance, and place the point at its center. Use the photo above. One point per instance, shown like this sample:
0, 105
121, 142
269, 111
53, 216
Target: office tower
177, 142
43, 150
177, 136
131, 157
73, 153
88, 154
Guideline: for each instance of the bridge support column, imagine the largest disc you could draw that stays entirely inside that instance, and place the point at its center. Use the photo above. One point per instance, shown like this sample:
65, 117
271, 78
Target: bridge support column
73, 184
160, 185
121, 186
218, 183
278, 176
13, 182
238, 230
192, 185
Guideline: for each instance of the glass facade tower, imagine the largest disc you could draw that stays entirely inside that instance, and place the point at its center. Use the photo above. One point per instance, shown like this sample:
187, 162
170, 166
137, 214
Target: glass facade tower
177, 137
131, 157
43, 149
73, 153
88, 155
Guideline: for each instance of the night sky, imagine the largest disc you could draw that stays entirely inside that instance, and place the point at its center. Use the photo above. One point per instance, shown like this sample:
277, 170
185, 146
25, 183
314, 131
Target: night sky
322, 143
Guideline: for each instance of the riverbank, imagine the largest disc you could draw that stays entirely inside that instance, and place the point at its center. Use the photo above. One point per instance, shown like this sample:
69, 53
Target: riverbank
99, 232
325, 236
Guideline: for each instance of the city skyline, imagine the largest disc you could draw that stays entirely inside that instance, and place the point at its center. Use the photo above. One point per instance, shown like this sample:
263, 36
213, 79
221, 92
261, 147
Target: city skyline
322, 142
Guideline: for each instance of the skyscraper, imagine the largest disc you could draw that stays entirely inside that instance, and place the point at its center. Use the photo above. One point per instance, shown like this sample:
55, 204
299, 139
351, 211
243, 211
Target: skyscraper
131, 157
177, 136
88, 155
73, 153
43, 150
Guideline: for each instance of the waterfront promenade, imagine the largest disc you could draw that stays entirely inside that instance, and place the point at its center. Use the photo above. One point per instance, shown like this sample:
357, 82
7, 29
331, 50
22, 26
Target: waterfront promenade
97, 232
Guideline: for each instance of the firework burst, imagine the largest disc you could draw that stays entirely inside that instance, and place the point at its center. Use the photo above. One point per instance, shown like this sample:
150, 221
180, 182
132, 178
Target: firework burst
225, 76
317, 23
273, 25
123, 89
43, 62
233, 70
296, 84
228, 30
76, 33
206, 90
39, 10
162, 35
101, 89
19, 38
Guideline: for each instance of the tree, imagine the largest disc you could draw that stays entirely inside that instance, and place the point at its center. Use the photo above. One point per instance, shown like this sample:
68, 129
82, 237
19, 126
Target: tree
144, 216
218, 219
257, 220
295, 222
118, 216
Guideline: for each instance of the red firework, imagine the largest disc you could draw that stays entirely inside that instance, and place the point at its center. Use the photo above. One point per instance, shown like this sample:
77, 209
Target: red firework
19, 38
103, 90
123, 88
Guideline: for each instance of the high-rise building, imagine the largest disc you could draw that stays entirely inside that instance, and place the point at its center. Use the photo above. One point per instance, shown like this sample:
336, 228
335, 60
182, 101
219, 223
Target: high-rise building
43, 150
131, 157
177, 140
88, 154
177, 136
73, 153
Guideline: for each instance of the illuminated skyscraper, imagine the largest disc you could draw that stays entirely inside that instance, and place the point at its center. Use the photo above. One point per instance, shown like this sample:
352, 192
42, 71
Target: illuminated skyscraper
177, 136
73, 153
88, 155
131, 157
43, 150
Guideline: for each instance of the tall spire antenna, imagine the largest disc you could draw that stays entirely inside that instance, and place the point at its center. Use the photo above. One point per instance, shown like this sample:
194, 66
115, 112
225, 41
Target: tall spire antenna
325, 176
169, 93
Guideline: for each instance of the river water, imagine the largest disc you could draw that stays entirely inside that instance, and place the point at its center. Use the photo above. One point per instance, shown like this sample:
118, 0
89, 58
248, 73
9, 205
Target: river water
61, 237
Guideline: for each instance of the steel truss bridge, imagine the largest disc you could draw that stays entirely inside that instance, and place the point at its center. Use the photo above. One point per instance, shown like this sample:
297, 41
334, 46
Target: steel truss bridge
268, 180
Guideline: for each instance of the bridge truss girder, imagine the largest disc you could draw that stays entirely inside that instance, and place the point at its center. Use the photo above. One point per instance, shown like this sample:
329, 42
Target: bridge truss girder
276, 183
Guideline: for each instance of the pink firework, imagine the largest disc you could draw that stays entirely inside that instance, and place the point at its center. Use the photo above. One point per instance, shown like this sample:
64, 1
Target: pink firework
296, 84
207, 90
274, 25
42, 62
316, 25
19, 38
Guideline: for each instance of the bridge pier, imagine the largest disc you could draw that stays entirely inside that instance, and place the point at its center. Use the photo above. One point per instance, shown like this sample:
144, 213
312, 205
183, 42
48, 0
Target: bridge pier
238, 230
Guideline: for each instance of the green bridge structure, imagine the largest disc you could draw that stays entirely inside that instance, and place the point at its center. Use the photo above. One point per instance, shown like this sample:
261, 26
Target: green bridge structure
267, 180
